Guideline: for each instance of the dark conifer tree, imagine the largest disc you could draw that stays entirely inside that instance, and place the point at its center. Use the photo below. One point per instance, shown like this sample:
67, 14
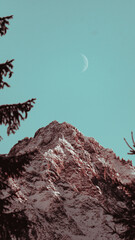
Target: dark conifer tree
12, 223
126, 217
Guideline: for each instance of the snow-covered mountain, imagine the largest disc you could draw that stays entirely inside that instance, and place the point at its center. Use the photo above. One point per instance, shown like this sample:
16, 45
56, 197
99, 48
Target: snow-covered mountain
73, 188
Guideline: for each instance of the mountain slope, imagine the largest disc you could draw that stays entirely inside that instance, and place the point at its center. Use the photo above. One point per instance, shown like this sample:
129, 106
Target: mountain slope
73, 188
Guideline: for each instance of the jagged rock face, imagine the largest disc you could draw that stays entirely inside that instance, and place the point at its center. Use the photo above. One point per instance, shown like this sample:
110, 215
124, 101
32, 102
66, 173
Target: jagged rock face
72, 186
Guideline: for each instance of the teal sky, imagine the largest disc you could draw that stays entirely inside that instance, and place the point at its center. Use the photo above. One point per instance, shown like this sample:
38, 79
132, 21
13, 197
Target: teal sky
46, 38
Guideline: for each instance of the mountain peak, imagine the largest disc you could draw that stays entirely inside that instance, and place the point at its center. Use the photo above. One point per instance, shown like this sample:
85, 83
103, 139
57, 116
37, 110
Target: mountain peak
73, 185
49, 134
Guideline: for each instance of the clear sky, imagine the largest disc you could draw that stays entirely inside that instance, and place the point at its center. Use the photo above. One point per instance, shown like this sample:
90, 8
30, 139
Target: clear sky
46, 38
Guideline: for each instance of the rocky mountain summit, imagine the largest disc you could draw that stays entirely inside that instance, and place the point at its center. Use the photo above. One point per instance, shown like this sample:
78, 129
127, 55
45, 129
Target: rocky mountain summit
73, 188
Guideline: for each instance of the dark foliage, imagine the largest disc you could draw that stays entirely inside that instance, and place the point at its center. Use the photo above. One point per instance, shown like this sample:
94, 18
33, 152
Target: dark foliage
4, 21
13, 224
12, 114
5, 68
11, 166
125, 216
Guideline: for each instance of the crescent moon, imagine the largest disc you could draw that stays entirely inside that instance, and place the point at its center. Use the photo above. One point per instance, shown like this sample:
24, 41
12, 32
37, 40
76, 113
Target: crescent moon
85, 60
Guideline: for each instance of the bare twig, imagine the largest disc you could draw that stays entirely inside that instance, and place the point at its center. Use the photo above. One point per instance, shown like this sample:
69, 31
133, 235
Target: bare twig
132, 151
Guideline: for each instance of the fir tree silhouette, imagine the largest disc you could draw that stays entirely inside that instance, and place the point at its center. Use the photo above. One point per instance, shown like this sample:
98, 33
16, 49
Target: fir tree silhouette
13, 224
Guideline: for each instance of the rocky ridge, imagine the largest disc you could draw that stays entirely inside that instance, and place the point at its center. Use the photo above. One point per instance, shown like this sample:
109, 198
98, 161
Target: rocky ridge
73, 188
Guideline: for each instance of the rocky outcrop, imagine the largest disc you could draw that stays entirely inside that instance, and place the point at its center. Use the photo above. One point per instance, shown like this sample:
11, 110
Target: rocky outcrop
73, 188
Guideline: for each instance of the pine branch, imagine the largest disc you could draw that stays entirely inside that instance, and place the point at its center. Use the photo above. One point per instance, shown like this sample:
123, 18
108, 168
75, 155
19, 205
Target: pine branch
12, 166
3, 22
5, 68
11, 114
14, 224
